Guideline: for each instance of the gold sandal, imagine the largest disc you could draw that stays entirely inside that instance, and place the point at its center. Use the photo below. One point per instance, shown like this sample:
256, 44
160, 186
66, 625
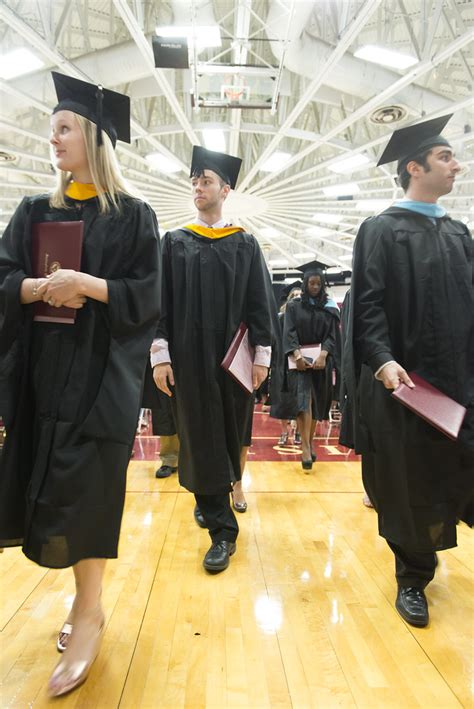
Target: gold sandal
61, 642
76, 672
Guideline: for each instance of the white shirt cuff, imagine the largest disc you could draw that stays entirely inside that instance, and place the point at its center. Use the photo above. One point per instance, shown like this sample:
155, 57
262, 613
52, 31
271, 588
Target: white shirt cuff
263, 355
376, 375
159, 352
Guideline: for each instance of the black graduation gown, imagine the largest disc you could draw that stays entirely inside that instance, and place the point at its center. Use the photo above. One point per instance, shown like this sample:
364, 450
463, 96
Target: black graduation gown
70, 394
209, 287
346, 434
284, 404
412, 301
307, 324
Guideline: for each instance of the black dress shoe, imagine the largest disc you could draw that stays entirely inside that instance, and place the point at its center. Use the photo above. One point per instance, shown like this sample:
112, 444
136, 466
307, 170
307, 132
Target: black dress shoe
200, 521
307, 464
217, 558
165, 471
412, 605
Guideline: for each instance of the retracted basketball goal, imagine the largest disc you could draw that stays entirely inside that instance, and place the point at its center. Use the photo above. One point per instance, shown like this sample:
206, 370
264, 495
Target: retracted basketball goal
235, 94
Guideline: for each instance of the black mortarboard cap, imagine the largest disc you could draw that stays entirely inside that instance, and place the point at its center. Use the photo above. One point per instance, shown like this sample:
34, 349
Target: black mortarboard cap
288, 288
296, 284
226, 166
406, 143
109, 110
311, 267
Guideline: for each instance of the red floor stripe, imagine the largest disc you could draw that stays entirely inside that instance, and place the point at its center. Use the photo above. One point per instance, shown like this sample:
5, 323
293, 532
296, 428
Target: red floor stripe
265, 435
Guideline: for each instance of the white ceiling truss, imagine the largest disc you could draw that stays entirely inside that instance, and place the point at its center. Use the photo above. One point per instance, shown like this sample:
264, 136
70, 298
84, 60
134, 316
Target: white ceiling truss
293, 59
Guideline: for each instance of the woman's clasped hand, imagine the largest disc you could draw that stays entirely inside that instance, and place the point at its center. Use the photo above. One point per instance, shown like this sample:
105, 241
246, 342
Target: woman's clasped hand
62, 288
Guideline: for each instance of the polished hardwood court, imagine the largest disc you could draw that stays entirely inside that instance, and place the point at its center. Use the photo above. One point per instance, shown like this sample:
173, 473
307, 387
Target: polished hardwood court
303, 617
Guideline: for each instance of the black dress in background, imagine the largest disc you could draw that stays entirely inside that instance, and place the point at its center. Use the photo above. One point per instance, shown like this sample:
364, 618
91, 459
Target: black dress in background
70, 394
307, 324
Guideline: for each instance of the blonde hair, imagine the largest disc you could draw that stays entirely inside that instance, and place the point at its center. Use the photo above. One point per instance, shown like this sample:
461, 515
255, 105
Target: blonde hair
104, 168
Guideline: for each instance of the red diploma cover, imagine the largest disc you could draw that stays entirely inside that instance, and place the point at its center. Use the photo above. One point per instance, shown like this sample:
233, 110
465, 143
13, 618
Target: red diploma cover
55, 245
238, 361
431, 404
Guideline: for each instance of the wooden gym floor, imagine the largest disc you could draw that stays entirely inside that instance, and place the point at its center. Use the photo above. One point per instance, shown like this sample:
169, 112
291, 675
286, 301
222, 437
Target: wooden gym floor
303, 617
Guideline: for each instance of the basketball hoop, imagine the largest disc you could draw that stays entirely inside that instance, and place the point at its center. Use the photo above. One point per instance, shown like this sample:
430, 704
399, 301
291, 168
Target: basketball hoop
234, 93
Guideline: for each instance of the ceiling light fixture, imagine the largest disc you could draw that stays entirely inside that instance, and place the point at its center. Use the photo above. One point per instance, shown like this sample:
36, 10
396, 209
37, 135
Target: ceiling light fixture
385, 57
206, 35
269, 232
348, 188
276, 161
317, 231
372, 205
214, 139
18, 62
304, 254
351, 164
159, 162
328, 218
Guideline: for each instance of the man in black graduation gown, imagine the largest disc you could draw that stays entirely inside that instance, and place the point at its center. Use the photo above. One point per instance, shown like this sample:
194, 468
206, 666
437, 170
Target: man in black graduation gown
412, 309
214, 278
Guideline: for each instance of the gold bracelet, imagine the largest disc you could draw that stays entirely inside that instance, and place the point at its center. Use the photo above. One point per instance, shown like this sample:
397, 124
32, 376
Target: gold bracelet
34, 289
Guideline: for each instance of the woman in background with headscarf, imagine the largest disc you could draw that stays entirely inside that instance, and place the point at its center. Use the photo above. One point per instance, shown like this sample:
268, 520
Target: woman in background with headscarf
312, 320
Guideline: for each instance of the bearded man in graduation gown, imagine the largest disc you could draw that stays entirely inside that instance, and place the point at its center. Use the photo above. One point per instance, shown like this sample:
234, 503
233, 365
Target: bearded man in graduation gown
214, 278
412, 309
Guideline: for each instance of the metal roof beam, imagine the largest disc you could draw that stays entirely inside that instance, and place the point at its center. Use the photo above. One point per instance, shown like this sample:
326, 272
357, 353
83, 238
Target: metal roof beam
143, 45
341, 47
461, 25
435, 16
368, 106
256, 225
271, 221
34, 39
62, 21
239, 56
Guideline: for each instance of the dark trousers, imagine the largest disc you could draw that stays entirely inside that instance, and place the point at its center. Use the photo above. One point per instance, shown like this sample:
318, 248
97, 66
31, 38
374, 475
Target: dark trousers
219, 517
413, 569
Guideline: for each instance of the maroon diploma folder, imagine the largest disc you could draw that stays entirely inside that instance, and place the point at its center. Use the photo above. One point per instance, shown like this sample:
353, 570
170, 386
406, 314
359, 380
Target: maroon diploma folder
310, 351
238, 361
55, 245
431, 404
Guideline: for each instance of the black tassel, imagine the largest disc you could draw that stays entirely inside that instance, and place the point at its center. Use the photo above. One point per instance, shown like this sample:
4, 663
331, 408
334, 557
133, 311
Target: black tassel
100, 98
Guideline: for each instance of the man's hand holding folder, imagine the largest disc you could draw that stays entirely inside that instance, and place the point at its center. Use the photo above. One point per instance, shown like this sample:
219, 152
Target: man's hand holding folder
392, 375
432, 405
259, 374
239, 362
